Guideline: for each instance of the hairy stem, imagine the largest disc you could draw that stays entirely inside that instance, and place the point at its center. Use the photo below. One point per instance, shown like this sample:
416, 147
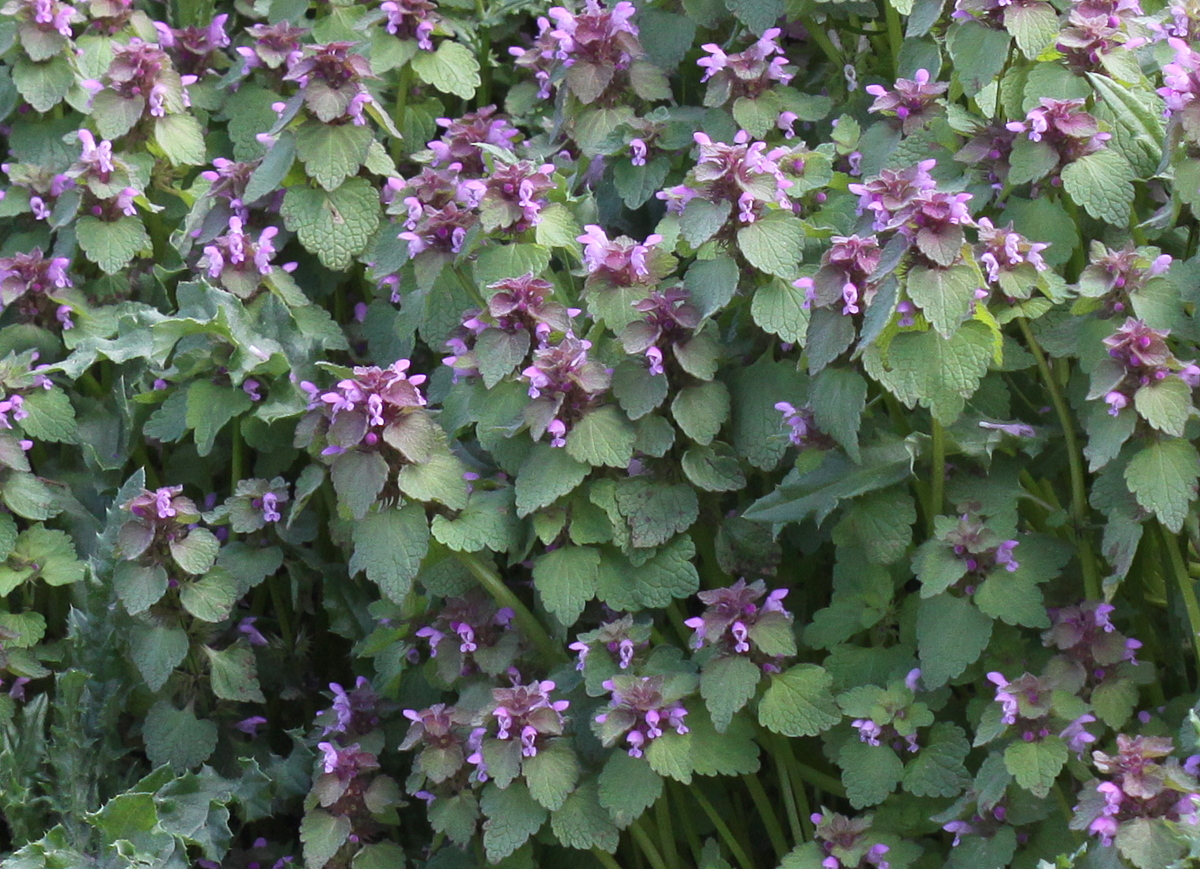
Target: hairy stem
493, 584
1187, 590
937, 487
1079, 504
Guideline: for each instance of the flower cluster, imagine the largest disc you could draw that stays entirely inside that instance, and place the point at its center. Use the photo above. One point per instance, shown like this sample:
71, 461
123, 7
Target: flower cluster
912, 101
1085, 637
443, 733
43, 186
891, 716
331, 77
1140, 357
846, 268
1138, 786
141, 76
373, 407
734, 622
18, 377
668, 318
1004, 252
1095, 29
891, 197
256, 503
802, 427
1065, 127
197, 50
276, 46
411, 19
158, 517
511, 197
980, 548
743, 173
35, 284
564, 383
748, 73
845, 842
462, 137
438, 210
1117, 276
642, 709
107, 180
1181, 87
471, 634
45, 25
623, 638
992, 13
238, 262
354, 713
525, 714
621, 262
599, 40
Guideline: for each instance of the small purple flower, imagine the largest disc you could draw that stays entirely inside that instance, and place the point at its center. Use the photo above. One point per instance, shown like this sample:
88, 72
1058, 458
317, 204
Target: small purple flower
642, 708
912, 101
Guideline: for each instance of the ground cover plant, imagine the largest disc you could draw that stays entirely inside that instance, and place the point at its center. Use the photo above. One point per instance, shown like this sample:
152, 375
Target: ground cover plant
691, 433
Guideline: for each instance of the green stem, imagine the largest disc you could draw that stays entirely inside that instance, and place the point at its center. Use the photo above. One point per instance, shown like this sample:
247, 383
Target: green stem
1079, 504
484, 93
236, 458
1187, 589
666, 832
821, 38
494, 585
895, 34
937, 487
646, 845
689, 829
282, 608
605, 859
789, 801
723, 830
767, 814
1079, 257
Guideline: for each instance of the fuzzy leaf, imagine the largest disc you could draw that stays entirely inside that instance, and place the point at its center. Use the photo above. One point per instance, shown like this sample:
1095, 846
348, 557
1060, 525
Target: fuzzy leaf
566, 580
547, 475
177, 737
336, 225
512, 817
628, 786
583, 823
943, 295
779, 308
551, 774
951, 635
180, 138
1102, 183
111, 244
798, 702
1035, 765
452, 69
389, 546
1166, 405
774, 243
727, 683
1163, 477
332, 153
870, 772
603, 436
156, 651
322, 834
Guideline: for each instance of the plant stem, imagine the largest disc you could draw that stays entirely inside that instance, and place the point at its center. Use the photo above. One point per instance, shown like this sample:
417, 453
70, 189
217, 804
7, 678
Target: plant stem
666, 833
1187, 589
494, 585
767, 814
895, 34
723, 830
1087, 559
821, 38
605, 859
646, 845
235, 460
789, 801
689, 829
937, 487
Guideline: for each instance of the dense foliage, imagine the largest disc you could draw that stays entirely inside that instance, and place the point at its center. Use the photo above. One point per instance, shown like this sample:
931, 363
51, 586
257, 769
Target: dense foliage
687, 433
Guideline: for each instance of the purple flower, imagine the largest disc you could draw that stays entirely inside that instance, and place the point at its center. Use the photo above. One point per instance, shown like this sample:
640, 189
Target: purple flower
733, 617
619, 262
411, 19
911, 100
275, 45
252, 634
1005, 250
250, 726
564, 383
460, 143
198, 49
237, 261
802, 430
892, 195
642, 708
748, 73
1077, 736
528, 713
32, 282
331, 77
346, 763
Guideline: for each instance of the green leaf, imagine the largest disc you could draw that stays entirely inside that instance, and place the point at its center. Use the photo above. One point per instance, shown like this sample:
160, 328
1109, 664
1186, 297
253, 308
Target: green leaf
757, 15
566, 579
1014, 600
488, 522
713, 468
210, 407
774, 243
181, 140
111, 244
389, 546
670, 755
211, 597
733, 752
1149, 843
838, 397
511, 261
43, 85
156, 650
1102, 184
177, 737
757, 426
937, 567
636, 184
879, 526
437, 480
51, 554
637, 390
335, 225
455, 816
727, 683
628, 786
322, 834
1033, 25
583, 823
1035, 765
452, 69
268, 176
938, 770
50, 416
779, 308
979, 54
701, 410
28, 496
139, 587
656, 512
951, 635
712, 283
358, 478
870, 772
940, 374
331, 153
547, 475
1163, 477
512, 817
669, 574
234, 674
196, 552
701, 219
551, 774
1114, 700
603, 436
799, 702
945, 296
1165, 404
